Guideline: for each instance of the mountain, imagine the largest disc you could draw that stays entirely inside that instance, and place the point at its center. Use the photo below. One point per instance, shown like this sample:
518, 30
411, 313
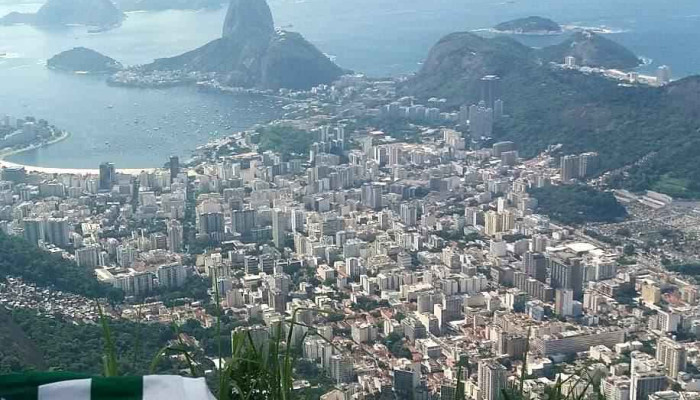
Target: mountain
529, 25
160, 5
251, 53
592, 50
653, 131
70, 12
83, 59
457, 62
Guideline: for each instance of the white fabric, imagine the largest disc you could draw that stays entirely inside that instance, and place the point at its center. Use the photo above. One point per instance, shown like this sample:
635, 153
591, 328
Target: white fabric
162, 387
67, 390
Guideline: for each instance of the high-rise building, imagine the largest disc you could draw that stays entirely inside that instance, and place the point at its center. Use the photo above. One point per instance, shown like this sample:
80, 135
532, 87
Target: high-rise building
570, 167
588, 164
493, 223
88, 256
159, 241
647, 376
171, 275
480, 120
651, 293
211, 223
567, 273
57, 231
174, 165
243, 221
409, 214
501, 147
535, 265
564, 302
672, 355
406, 379
297, 220
570, 62
492, 379
615, 388
175, 235
490, 89
663, 75
126, 255
341, 369
371, 196
143, 283
33, 230
279, 226
498, 109
107, 176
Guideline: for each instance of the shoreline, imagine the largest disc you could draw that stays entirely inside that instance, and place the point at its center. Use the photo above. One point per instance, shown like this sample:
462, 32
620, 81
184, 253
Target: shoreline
64, 135
52, 170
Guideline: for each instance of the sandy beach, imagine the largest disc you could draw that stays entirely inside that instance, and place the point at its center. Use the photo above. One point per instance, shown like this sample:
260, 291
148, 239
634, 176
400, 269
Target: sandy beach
49, 170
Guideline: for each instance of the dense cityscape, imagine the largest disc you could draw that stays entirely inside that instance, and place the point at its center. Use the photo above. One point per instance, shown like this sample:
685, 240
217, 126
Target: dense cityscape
404, 252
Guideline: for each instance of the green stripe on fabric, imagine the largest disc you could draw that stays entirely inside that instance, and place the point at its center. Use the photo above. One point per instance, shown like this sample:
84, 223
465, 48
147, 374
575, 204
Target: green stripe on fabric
26, 386
117, 388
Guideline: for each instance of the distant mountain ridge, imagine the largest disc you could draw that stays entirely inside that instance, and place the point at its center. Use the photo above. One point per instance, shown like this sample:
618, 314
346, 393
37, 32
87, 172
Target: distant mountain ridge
251, 53
158, 5
101, 13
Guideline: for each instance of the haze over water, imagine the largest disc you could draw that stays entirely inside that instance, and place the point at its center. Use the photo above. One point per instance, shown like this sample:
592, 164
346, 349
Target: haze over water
140, 128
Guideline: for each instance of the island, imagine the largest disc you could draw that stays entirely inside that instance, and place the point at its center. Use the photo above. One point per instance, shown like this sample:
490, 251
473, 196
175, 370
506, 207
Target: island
529, 26
84, 60
96, 13
250, 54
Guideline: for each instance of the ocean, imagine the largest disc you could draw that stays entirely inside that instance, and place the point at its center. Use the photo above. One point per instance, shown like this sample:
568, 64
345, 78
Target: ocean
138, 128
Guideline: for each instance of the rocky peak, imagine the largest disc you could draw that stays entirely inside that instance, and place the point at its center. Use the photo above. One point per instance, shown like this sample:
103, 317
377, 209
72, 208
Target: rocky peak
248, 19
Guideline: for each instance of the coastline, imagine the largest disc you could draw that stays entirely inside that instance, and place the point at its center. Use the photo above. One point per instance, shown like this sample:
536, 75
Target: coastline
49, 170
64, 135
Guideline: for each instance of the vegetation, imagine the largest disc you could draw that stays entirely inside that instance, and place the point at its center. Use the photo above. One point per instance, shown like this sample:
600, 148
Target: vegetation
578, 204
263, 370
20, 258
690, 269
285, 140
35, 342
367, 304
394, 342
195, 289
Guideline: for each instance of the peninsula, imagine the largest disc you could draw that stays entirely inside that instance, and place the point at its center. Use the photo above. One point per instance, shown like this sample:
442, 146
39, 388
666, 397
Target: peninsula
24, 134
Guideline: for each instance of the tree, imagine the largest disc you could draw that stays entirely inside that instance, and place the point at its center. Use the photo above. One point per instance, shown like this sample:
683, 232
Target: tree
578, 204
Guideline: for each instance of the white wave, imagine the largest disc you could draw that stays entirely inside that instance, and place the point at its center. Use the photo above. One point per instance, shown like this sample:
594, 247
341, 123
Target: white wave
602, 29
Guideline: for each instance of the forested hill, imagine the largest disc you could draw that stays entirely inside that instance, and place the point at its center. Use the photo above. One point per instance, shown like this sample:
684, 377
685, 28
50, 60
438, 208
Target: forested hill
582, 112
18, 258
36, 342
